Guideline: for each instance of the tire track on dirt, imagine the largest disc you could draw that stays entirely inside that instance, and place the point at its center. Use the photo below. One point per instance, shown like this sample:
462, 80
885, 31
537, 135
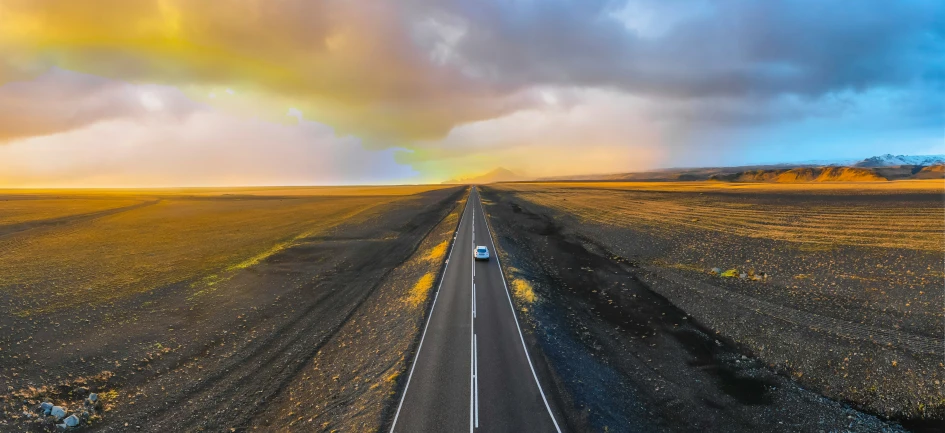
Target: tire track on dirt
11, 230
812, 321
261, 368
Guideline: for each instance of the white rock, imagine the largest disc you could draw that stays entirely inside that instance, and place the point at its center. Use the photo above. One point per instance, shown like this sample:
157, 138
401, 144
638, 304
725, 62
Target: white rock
45, 407
72, 421
57, 412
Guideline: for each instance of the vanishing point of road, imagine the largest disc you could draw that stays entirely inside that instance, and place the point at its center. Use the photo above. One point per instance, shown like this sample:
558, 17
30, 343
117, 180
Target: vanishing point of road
472, 369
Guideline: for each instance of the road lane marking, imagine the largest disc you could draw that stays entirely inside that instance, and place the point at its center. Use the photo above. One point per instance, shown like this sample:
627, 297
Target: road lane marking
512, 306
472, 329
430, 316
474, 299
476, 350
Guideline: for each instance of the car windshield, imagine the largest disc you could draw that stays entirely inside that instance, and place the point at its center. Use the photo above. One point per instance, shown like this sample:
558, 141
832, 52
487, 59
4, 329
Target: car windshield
481, 249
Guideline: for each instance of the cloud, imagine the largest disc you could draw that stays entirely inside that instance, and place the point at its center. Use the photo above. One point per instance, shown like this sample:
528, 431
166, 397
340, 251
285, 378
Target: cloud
575, 131
354, 66
452, 85
726, 47
58, 101
207, 149
394, 71
110, 133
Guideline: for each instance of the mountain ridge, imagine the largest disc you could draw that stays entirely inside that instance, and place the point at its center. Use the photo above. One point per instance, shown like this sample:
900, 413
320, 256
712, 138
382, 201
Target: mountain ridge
876, 168
890, 160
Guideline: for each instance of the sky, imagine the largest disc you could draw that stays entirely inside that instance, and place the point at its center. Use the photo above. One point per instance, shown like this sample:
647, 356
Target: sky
106, 93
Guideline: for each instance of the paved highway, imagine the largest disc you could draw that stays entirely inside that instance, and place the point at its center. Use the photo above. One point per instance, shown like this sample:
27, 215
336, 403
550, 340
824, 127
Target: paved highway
472, 370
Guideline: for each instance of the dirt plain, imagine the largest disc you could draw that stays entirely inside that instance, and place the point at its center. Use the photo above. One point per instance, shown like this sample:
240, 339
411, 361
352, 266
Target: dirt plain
214, 310
637, 333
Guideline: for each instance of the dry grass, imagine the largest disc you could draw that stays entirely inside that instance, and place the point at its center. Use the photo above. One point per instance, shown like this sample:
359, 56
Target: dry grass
432, 258
633, 204
421, 290
18, 210
194, 239
523, 290
437, 253
262, 191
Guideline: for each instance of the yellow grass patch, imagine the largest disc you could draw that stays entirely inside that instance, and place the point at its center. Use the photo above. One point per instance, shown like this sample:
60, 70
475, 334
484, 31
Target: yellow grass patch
438, 252
420, 290
523, 290
109, 395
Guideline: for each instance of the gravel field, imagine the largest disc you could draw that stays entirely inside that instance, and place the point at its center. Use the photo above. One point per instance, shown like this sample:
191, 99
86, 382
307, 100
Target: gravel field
262, 288
856, 318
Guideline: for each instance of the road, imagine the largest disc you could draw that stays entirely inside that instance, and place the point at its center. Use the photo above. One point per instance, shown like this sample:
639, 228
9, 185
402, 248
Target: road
472, 369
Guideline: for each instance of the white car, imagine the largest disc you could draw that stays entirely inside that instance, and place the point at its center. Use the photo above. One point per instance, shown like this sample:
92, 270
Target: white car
481, 253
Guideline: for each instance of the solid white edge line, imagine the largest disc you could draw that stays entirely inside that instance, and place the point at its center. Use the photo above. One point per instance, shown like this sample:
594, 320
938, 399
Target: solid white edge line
437, 295
522, 337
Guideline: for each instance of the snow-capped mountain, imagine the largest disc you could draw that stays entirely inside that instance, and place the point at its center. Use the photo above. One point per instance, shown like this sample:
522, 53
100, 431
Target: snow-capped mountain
889, 160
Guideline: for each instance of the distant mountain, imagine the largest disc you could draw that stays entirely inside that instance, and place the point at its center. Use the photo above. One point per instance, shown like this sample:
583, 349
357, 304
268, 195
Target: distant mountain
877, 168
804, 174
889, 160
930, 172
498, 175
821, 163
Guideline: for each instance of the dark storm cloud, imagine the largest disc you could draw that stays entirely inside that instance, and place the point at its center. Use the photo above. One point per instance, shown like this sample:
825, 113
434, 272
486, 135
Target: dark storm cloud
719, 48
401, 72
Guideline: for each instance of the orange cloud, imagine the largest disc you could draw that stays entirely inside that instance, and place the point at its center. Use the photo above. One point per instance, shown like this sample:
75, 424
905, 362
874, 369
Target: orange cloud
353, 65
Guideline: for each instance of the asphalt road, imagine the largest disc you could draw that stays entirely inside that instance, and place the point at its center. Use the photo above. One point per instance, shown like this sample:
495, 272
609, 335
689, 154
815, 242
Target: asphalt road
472, 370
